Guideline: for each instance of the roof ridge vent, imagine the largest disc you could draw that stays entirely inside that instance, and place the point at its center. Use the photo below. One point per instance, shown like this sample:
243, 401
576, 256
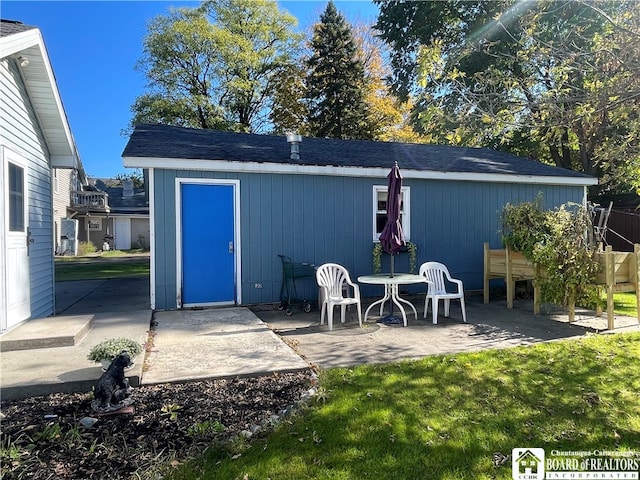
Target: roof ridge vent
294, 139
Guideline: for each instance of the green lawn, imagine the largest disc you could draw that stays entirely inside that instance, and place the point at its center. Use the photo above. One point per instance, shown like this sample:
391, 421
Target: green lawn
109, 265
625, 304
445, 417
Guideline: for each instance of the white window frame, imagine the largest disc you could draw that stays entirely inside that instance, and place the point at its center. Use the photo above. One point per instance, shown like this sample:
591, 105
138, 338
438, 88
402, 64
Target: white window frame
55, 180
20, 195
405, 211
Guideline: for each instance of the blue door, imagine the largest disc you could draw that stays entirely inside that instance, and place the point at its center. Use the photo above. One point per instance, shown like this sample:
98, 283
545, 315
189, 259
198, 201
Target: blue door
208, 250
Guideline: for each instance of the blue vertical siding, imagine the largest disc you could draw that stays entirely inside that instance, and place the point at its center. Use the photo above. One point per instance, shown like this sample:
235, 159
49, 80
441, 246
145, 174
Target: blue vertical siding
450, 221
321, 219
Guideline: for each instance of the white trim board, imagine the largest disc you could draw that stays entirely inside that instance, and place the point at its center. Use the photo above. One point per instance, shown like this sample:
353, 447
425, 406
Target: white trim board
331, 170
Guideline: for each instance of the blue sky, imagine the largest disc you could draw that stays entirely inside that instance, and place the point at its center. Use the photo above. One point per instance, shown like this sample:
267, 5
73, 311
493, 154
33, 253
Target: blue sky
93, 47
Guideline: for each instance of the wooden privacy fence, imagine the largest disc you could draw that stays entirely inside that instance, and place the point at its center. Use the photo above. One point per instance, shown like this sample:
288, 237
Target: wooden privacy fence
619, 272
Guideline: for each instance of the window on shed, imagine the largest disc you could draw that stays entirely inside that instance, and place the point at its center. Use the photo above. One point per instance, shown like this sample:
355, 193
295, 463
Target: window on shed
380, 211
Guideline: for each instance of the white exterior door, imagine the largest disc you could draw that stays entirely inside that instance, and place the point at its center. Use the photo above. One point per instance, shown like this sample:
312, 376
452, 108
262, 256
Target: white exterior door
122, 227
15, 287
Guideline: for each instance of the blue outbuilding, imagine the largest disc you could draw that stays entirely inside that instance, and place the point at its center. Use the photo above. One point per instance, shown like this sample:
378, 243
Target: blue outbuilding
224, 205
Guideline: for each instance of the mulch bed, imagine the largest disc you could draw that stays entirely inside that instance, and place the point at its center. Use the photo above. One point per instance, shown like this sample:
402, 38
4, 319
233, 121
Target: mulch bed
44, 437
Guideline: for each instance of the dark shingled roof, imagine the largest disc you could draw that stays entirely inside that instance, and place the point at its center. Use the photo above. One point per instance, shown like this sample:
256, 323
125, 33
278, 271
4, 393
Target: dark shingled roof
162, 141
136, 203
11, 27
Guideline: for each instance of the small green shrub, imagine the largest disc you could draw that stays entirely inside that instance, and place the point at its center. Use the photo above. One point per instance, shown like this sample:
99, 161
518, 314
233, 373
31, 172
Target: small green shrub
113, 253
201, 429
110, 349
172, 410
52, 431
85, 248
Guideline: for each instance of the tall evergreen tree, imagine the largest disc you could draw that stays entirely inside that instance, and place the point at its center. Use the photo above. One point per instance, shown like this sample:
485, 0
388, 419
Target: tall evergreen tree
336, 81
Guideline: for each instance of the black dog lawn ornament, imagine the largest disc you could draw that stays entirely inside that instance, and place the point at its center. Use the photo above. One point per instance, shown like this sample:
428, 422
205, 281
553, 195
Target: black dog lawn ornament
112, 392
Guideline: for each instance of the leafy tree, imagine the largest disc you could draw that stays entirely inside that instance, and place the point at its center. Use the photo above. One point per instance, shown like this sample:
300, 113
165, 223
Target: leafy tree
555, 80
136, 177
289, 111
215, 66
390, 119
407, 26
336, 81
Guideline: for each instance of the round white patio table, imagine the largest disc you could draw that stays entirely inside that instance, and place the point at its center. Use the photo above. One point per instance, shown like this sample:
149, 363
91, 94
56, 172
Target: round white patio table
391, 290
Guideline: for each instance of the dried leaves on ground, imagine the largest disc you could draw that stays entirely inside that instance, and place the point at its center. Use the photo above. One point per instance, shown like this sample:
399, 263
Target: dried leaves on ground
51, 437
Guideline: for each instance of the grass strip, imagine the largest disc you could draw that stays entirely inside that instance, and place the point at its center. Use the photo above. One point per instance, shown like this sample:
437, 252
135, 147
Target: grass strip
449, 417
113, 268
625, 304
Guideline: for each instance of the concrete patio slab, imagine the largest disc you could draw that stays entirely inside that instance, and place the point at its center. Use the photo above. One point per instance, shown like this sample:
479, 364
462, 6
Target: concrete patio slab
191, 345
224, 342
489, 326
50, 332
42, 371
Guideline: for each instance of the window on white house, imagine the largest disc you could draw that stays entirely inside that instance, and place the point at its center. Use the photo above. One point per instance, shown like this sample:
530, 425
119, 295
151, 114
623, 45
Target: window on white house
94, 223
380, 211
55, 180
16, 198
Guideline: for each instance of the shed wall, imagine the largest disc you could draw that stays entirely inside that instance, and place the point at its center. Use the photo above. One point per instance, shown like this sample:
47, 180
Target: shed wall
21, 133
321, 219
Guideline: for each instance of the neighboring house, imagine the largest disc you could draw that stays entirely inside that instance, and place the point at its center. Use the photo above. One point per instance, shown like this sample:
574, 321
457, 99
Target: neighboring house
121, 220
223, 205
35, 139
66, 183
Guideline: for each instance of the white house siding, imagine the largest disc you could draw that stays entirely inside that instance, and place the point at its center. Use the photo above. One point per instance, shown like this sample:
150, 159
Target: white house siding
139, 227
21, 133
63, 179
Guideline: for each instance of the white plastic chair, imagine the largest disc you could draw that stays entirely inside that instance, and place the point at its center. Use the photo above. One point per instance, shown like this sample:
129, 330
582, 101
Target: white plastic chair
332, 278
437, 289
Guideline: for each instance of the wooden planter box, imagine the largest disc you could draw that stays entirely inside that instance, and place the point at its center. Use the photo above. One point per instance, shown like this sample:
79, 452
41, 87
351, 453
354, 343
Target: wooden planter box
619, 272
513, 267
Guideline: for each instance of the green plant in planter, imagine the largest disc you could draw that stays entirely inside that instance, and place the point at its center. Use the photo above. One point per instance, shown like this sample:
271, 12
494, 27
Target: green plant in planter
556, 241
110, 349
377, 256
412, 248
